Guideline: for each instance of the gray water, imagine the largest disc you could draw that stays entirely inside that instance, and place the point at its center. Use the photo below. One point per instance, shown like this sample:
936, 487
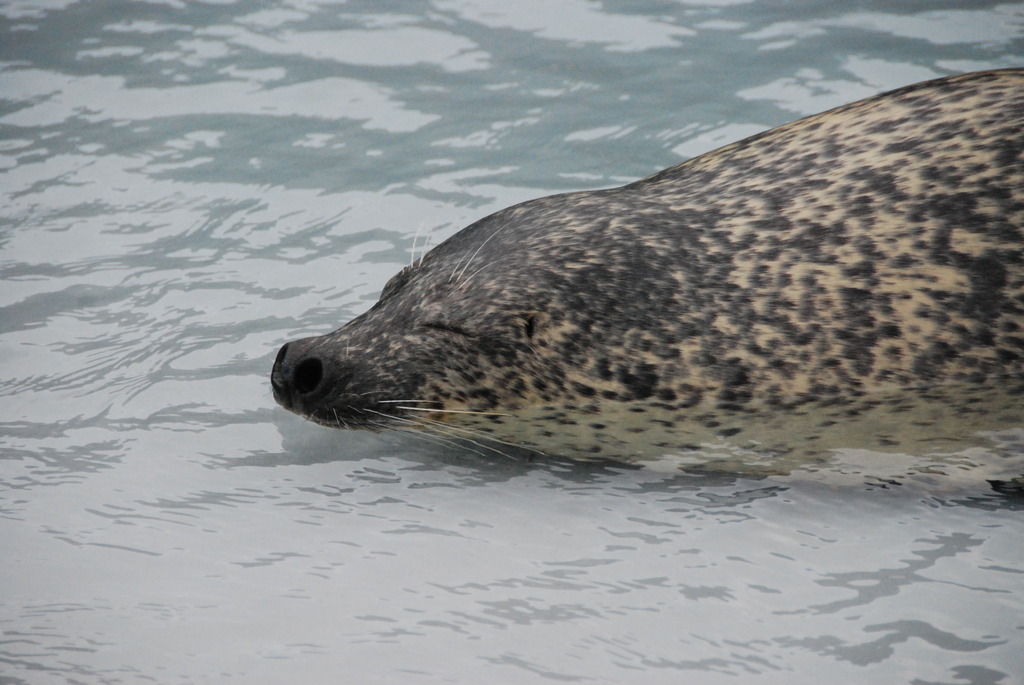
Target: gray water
187, 186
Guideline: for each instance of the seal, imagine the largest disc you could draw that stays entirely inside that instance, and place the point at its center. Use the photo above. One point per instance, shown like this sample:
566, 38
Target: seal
875, 246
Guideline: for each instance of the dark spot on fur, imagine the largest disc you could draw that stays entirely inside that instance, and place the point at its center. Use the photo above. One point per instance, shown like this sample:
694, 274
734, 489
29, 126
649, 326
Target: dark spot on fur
640, 380
583, 390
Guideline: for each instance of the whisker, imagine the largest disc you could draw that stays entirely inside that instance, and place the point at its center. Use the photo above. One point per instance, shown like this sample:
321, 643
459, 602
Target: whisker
453, 432
446, 438
426, 243
389, 417
395, 424
415, 239
475, 273
454, 411
451, 429
473, 256
435, 439
396, 401
459, 435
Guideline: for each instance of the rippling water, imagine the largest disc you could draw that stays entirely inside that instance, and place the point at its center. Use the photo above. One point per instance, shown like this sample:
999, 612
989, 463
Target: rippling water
186, 186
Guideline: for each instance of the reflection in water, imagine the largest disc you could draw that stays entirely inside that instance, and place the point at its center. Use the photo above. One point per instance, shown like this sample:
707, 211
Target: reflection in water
187, 186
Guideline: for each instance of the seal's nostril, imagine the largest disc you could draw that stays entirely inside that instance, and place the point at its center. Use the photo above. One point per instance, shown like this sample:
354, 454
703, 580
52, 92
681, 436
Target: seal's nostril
308, 375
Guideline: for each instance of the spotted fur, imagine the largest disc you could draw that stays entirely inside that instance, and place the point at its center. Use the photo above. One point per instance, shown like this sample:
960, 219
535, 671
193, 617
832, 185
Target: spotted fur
875, 246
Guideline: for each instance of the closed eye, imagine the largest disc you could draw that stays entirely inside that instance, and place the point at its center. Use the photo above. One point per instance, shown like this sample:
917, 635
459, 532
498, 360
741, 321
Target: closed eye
447, 328
530, 326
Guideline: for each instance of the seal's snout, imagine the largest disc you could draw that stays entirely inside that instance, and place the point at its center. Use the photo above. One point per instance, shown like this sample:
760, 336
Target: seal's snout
282, 378
300, 379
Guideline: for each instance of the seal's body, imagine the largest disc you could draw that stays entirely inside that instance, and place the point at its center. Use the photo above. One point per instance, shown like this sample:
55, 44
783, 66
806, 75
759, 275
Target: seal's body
875, 246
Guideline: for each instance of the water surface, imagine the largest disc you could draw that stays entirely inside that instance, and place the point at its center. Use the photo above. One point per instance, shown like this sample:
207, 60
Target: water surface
186, 186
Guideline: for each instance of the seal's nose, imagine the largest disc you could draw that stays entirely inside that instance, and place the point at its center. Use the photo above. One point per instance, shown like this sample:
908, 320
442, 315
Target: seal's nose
280, 378
301, 379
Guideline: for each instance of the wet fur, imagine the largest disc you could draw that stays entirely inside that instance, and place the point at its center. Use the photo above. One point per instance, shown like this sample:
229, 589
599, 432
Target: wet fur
878, 245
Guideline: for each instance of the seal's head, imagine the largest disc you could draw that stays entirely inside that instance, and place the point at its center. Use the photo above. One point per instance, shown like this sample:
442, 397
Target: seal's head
428, 343
464, 328
551, 301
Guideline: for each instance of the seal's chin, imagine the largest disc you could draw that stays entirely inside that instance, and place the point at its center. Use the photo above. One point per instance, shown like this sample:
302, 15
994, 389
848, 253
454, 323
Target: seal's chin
425, 416
349, 420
